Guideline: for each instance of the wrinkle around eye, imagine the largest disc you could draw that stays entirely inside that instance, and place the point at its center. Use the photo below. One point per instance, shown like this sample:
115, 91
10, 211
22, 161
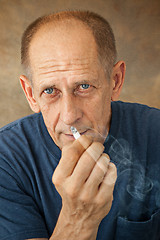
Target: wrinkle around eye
85, 91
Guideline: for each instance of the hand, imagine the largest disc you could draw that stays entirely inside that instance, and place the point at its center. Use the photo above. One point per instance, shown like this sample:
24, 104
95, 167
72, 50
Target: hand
85, 180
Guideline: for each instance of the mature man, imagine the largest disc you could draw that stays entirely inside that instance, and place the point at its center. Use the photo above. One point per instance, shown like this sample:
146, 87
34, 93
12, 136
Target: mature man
72, 79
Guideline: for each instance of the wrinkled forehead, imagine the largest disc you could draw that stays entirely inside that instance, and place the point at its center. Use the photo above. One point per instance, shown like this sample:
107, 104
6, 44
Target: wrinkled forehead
70, 39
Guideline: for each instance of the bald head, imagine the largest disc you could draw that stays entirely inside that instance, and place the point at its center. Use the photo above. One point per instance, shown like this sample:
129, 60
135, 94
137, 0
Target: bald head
67, 22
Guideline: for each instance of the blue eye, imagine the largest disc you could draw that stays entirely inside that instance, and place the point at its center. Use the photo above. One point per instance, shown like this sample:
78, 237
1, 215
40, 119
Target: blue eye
85, 86
48, 90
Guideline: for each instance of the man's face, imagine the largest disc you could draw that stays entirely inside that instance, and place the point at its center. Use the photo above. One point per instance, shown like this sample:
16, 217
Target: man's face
69, 84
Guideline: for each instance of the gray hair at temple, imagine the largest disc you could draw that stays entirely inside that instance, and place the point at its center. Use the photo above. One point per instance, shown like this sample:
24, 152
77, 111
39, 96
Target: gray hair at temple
99, 27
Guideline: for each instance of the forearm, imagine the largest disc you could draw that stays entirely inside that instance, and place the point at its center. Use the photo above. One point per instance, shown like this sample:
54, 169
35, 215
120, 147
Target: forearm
73, 230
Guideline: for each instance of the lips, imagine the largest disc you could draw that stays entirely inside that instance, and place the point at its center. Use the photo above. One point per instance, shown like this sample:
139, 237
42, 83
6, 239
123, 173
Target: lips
71, 135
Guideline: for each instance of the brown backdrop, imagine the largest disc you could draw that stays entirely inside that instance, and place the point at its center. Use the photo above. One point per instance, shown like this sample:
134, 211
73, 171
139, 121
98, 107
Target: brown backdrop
136, 24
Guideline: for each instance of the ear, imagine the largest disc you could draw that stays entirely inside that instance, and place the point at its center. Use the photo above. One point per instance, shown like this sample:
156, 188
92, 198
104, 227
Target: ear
118, 75
28, 91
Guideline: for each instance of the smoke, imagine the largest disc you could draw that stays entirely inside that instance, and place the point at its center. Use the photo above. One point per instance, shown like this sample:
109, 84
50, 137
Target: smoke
132, 180
137, 194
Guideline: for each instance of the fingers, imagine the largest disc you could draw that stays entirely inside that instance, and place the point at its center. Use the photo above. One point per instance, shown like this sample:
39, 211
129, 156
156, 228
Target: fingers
98, 173
111, 175
100, 184
85, 180
84, 141
102, 165
70, 157
84, 166
99, 170
87, 162
108, 183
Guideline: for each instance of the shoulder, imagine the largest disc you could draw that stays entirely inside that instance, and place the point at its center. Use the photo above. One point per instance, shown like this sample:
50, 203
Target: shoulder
138, 128
136, 111
22, 127
135, 118
17, 136
136, 107
25, 121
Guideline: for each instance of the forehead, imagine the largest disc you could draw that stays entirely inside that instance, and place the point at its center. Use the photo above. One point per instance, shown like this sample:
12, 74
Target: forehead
62, 41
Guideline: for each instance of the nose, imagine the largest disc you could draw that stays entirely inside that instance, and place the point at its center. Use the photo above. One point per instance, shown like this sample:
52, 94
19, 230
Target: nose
70, 109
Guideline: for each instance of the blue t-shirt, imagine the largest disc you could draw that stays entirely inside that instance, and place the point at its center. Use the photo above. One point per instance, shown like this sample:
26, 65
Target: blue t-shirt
29, 202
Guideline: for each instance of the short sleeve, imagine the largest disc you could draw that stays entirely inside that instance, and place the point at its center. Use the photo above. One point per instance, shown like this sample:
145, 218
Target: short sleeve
20, 217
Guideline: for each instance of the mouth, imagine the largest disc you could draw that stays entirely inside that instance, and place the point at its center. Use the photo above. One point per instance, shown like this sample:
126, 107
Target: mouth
71, 137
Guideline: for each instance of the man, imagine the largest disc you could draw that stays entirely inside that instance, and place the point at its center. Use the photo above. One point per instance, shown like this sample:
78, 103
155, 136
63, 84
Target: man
71, 79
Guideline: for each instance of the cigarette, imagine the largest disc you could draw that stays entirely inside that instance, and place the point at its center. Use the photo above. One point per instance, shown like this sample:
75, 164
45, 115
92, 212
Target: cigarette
75, 133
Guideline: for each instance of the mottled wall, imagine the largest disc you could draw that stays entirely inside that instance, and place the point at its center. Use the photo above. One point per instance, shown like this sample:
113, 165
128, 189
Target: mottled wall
136, 24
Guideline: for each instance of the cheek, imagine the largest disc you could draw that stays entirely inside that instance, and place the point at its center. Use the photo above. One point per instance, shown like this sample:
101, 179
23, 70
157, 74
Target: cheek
99, 105
99, 111
50, 115
93, 112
